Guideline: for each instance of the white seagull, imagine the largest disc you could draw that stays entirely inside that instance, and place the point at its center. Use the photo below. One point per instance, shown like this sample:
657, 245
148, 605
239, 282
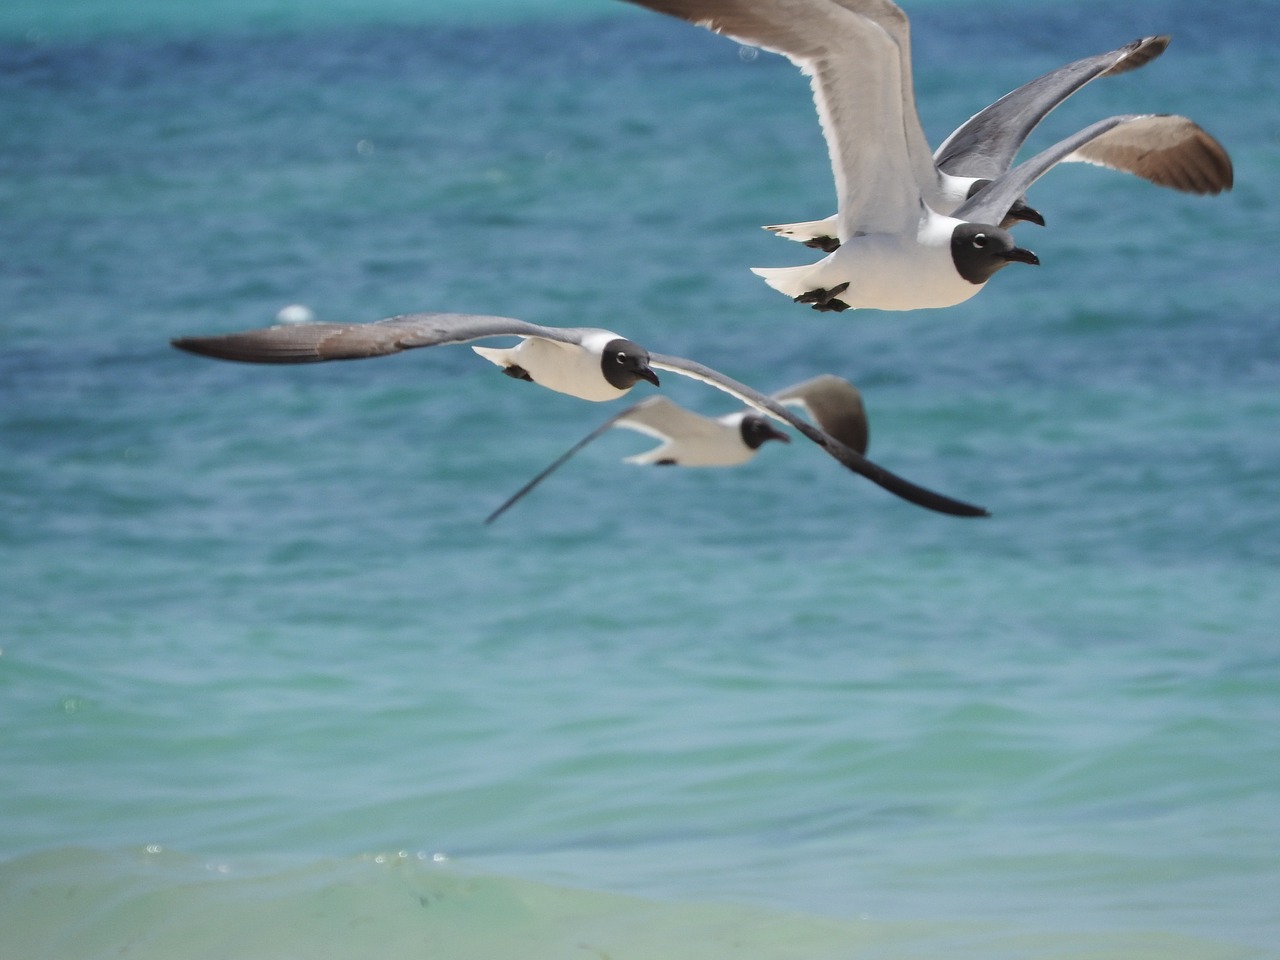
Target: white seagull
583, 362
897, 251
689, 439
1168, 151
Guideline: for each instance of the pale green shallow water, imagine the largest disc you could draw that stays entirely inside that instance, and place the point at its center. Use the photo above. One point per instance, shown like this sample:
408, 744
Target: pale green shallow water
268, 688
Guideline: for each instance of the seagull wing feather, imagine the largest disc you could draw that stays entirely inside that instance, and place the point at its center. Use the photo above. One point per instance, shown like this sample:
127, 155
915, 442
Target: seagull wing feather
656, 417
851, 459
891, 18
560, 461
1167, 150
665, 420
855, 72
985, 145
318, 342
835, 404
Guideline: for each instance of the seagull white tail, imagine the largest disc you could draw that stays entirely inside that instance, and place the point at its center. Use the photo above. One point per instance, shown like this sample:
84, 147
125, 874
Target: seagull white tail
807, 231
793, 281
649, 456
499, 355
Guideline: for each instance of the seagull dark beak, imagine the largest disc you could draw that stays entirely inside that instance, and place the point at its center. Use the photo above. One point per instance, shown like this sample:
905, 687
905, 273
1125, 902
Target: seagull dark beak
777, 435
1022, 256
646, 373
1027, 213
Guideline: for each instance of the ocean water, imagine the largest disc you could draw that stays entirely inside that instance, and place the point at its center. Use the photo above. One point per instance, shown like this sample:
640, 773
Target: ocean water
270, 689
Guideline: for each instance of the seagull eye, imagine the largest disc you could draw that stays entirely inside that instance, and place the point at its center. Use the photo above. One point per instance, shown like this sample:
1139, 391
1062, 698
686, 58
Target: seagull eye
621, 358
979, 240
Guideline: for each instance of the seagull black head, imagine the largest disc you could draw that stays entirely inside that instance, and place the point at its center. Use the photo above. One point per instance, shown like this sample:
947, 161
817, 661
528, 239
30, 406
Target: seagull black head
625, 363
980, 249
757, 430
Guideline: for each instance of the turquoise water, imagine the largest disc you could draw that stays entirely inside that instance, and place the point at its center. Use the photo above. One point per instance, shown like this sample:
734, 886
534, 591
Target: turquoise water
270, 689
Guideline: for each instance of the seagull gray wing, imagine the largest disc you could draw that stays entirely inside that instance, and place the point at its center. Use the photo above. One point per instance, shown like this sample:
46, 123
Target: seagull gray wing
559, 461
318, 342
665, 420
1168, 150
850, 458
891, 18
835, 404
985, 145
656, 417
854, 69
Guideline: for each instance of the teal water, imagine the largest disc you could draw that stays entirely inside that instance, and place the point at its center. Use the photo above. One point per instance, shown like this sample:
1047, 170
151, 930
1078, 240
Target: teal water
269, 688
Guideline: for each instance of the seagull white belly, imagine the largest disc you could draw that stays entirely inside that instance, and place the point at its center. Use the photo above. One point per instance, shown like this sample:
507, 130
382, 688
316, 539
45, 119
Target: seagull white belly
722, 447
563, 367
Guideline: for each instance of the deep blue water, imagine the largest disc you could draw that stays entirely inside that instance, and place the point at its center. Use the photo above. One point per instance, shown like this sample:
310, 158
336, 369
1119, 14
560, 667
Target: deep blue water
269, 688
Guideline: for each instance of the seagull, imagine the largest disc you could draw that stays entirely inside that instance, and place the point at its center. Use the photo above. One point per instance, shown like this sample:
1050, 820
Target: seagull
897, 251
583, 362
1168, 151
689, 439
588, 363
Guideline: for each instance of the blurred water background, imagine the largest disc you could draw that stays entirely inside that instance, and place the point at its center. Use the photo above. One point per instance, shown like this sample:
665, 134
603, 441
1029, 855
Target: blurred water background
270, 689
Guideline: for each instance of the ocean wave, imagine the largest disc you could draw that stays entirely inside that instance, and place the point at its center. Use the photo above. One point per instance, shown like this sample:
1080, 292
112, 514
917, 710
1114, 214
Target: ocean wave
77, 903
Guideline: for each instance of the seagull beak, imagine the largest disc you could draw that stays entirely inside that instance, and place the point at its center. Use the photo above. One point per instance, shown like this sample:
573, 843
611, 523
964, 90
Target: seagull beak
1022, 256
1024, 211
646, 373
777, 435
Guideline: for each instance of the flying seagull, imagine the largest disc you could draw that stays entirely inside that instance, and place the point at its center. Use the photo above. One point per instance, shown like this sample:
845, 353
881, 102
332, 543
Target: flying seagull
1169, 151
897, 251
583, 362
689, 439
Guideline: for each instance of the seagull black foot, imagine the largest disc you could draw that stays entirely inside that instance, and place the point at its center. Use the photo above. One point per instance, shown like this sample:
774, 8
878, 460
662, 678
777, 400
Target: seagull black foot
825, 300
825, 244
517, 373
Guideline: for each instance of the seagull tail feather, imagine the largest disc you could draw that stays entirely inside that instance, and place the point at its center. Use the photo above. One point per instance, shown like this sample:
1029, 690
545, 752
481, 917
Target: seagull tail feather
810, 232
792, 281
497, 355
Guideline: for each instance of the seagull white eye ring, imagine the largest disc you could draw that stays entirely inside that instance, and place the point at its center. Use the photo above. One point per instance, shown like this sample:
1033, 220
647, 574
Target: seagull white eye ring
979, 240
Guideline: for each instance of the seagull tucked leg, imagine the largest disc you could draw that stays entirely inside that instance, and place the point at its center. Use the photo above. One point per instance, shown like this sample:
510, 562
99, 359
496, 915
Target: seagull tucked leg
517, 373
825, 300
824, 243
